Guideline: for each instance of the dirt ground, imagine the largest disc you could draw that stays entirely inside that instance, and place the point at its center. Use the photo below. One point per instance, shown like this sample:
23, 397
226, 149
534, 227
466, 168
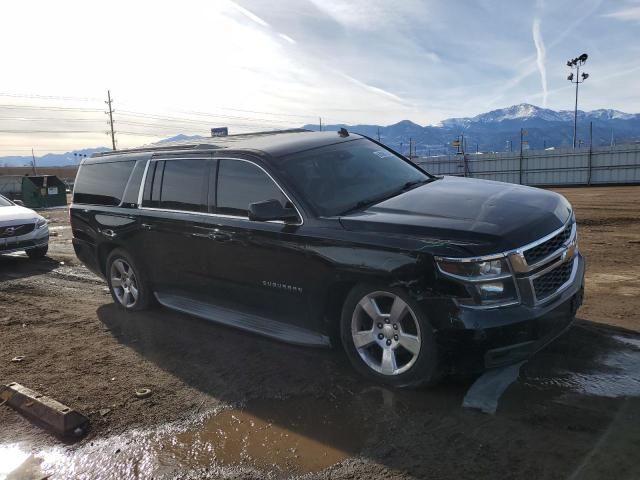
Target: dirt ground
609, 237
226, 404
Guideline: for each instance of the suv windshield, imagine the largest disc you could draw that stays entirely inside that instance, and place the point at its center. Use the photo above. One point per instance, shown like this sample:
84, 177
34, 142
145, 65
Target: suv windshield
344, 177
4, 202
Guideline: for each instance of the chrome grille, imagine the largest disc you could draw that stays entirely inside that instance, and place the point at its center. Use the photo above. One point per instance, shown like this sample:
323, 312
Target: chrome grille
16, 230
549, 283
539, 252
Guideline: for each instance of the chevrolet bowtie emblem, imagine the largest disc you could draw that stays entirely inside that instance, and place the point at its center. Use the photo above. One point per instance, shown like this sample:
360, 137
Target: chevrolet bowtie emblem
568, 254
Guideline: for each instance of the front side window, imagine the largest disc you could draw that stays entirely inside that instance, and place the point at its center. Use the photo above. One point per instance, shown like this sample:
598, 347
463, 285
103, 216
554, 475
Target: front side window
177, 185
242, 183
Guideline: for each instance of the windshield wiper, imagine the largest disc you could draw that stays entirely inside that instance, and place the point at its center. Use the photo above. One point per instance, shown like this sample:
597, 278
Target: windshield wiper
407, 186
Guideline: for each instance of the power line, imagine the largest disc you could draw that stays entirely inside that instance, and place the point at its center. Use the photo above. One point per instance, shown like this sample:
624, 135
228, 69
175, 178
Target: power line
209, 116
48, 131
49, 97
53, 119
38, 107
206, 115
94, 99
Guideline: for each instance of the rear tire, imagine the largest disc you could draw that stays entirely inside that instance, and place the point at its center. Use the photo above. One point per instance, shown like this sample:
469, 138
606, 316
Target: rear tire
37, 253
388, 338
127, 282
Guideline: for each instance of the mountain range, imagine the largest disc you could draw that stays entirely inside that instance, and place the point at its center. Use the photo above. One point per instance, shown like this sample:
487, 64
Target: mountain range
500, 130
497, 130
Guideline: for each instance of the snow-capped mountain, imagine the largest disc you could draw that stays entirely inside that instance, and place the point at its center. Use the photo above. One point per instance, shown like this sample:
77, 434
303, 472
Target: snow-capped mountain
526, 111
499, 130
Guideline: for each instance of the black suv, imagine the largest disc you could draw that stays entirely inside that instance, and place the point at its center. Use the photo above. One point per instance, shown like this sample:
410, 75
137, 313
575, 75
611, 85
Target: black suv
321, 238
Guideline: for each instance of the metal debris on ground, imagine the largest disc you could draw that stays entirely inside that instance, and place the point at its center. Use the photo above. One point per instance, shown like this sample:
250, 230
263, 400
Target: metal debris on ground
143, 393
17, 359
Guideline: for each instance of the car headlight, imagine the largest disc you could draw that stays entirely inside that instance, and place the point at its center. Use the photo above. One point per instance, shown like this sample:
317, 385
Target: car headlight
474, 270
41, 223
489, 282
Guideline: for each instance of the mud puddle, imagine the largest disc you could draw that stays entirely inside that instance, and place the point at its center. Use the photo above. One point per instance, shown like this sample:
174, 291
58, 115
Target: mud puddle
298, 436
614, 372
279, 437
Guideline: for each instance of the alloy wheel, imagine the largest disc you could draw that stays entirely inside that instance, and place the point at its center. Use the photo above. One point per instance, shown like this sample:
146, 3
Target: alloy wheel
124, 283
386, 333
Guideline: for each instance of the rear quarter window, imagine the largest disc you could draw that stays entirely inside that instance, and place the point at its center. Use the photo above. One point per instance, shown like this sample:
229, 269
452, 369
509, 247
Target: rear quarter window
102, 183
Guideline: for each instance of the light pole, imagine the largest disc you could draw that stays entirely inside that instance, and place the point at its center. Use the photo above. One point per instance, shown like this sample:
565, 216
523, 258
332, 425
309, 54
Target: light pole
576, 63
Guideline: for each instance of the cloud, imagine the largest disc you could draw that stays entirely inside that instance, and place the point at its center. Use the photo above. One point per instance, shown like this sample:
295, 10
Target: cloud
541, 55
373, 89
287, 38
249, 15
628, 14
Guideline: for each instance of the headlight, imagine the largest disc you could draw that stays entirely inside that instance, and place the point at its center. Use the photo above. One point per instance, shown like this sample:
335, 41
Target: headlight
490, 283
474, 270
41, 223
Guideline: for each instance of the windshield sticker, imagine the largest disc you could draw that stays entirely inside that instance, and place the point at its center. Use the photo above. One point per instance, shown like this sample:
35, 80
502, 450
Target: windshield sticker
383, 153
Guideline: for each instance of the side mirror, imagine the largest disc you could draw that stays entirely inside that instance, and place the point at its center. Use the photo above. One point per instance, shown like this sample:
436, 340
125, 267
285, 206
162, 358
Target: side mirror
271, 210
19, 203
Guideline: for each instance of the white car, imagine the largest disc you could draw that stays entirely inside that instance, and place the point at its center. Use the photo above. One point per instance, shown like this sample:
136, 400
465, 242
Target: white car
22, 229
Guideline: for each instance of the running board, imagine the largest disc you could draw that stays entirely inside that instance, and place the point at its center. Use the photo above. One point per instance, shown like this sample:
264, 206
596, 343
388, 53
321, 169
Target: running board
245, 321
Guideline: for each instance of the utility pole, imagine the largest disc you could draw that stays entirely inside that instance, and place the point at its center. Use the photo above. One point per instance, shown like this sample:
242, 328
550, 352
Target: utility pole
113, 134
378, 133
577, 63
33, 163
320, 121
410, 148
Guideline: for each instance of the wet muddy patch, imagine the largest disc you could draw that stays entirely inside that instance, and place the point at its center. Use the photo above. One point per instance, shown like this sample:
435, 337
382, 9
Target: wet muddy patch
297, 436
608, 366
274, 436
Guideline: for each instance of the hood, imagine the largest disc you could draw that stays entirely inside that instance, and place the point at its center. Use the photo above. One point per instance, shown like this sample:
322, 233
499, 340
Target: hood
15, 214
480, 216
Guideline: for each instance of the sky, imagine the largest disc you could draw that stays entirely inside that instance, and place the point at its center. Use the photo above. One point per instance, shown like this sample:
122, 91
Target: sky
183, 67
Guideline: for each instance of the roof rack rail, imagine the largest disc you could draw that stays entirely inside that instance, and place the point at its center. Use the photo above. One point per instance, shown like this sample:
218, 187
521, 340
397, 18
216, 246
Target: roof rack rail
204, 142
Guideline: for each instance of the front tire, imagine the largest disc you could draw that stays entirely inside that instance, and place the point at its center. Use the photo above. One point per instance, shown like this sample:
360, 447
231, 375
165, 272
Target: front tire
37, 253
127, 283
388, 337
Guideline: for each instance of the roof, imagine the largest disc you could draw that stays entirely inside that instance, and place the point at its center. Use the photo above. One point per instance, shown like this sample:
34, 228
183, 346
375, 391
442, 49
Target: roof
276, 143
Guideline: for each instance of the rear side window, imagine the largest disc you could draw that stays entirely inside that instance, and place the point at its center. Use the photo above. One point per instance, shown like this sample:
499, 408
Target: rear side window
242, 183
177, 185
102, 183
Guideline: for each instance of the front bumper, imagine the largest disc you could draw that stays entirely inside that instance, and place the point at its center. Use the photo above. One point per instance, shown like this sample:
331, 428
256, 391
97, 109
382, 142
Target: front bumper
481, 339
36, 239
